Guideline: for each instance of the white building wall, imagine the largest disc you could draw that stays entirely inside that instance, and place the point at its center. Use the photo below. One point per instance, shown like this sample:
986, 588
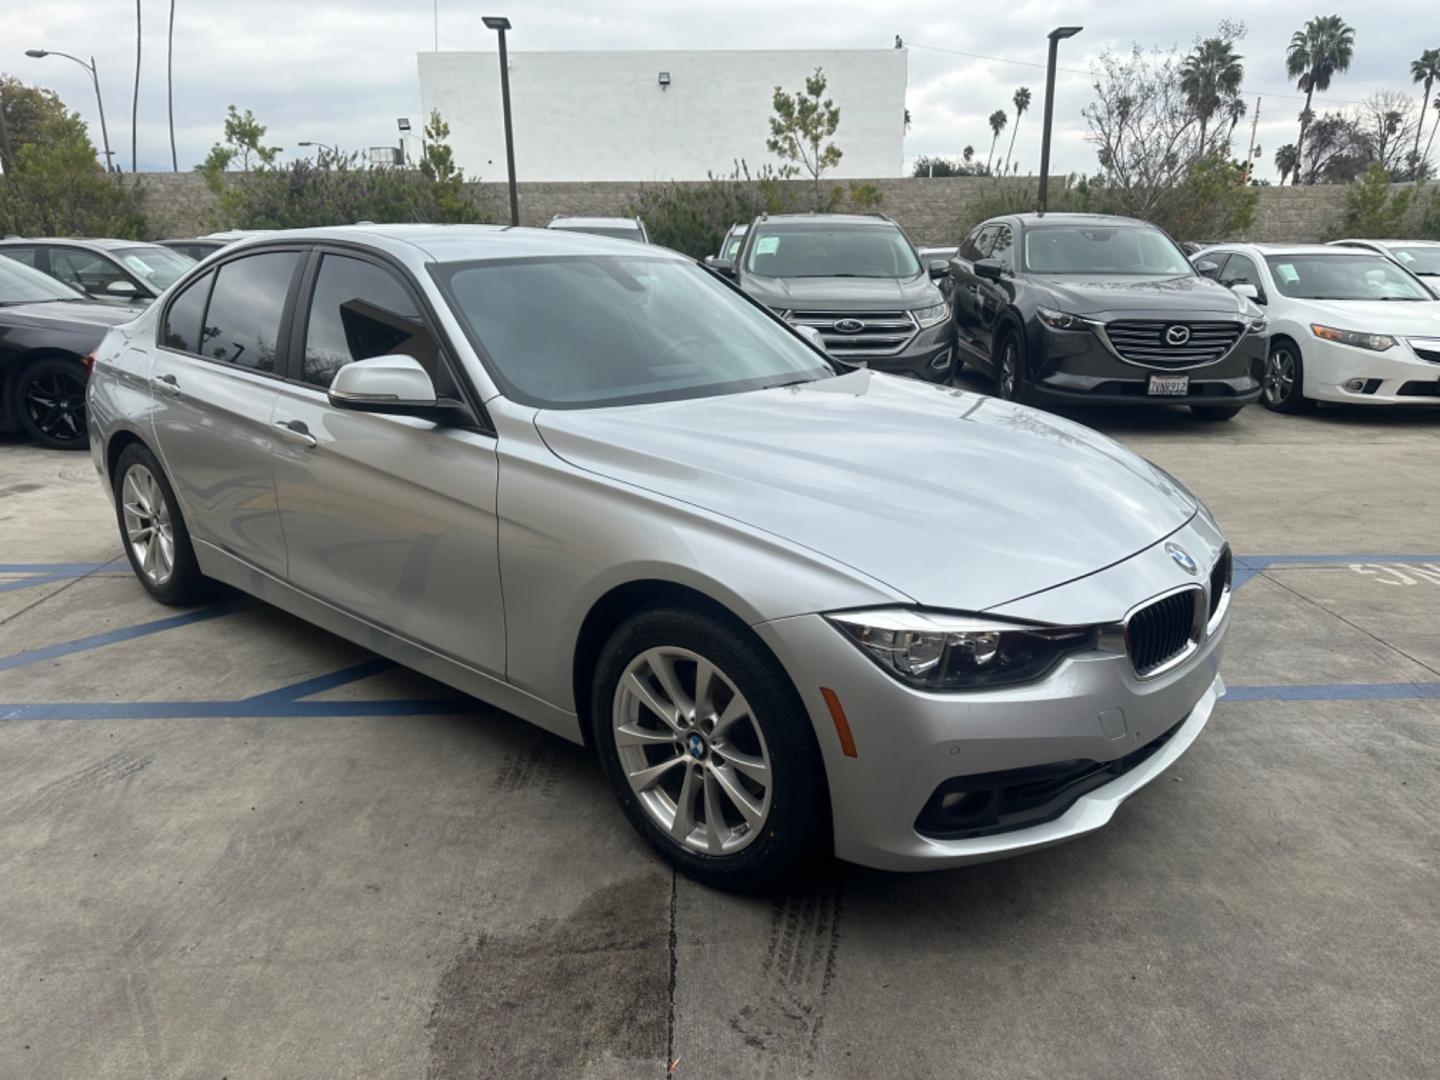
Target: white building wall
603, 115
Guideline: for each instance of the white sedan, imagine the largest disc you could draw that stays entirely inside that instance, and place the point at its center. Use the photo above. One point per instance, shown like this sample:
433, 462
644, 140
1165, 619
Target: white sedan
1346, 324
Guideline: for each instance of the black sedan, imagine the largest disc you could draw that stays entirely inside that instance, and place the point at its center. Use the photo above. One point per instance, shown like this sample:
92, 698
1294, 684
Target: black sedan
1093, 309
47, 333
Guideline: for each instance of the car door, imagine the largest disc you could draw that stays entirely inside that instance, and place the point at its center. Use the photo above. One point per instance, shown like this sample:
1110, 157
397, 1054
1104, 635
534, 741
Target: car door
965, 294
94, 274
1241, 270
391, 518
218, 361
991, 297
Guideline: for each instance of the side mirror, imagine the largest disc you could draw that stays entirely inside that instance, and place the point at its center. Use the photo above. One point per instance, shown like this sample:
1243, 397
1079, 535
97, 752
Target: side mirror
721, 266
121, 287
988, 268
939, 268
1248, 291
813, 336
397, 385
1206, 268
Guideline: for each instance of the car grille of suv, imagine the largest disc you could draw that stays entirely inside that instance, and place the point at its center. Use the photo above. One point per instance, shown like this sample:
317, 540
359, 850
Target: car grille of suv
1220, 579
864, 333
1162, 631
1148, 342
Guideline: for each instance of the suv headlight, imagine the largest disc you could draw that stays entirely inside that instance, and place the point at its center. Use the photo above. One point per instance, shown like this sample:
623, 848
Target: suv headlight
934, 650
1374, 342
1062, 320
930, 316
1256, 321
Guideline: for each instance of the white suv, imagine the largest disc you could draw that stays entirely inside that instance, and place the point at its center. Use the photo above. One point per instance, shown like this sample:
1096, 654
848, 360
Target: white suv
1346, 324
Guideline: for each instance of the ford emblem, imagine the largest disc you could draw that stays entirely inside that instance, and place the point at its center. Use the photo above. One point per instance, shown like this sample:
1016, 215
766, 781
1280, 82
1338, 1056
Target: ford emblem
849, 326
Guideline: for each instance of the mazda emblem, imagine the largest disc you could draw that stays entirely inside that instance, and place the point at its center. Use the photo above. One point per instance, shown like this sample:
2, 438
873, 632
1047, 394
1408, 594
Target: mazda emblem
849, 326
1182, 558
1177, 335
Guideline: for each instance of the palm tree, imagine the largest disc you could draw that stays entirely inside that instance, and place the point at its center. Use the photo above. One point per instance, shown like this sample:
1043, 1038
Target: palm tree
967, 154
1425, 70
170, 87
135, 101
1436, 126
1234, 108
1022, 102
998, 120
1209, 77
1322, 49
1287, 160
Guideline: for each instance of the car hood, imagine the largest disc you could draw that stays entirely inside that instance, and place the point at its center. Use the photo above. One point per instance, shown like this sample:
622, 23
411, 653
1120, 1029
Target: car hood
952, 498
68, 313
843, 294
1419, 317
1172, 297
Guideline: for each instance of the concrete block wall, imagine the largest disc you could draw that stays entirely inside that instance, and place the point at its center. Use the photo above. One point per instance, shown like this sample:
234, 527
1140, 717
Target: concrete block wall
930, 210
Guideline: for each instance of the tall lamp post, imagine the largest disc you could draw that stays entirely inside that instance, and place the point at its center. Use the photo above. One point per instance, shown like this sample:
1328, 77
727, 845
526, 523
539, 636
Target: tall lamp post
323, 146
1055, 36
500, 24
40, 54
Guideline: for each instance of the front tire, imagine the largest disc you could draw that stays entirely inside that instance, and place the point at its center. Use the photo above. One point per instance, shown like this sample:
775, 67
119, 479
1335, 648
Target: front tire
1010, 368
1216, 412
1283, 387
709, 750
153, 530
50, 401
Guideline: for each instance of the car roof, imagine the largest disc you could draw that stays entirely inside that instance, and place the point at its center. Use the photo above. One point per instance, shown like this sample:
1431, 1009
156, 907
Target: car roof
828, 219
1295, 249
1030, 217
609, 222
102, 243
1393, 242
462, 243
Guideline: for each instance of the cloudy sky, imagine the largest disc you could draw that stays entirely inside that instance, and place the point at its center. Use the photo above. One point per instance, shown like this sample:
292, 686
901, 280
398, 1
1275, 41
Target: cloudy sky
341, 71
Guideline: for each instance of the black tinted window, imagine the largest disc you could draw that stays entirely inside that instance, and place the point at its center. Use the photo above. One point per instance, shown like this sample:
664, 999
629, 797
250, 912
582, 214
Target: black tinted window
24, 255
361, 310
242, 324
1003, 247
182, 320
1240, 271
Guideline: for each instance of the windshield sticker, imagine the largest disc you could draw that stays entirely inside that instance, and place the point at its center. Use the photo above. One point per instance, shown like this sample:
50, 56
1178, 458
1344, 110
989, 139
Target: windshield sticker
1288, 273
767, 245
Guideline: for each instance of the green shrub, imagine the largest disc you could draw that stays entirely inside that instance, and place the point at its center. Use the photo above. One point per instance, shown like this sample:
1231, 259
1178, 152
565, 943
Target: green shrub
693, 218
1370, 207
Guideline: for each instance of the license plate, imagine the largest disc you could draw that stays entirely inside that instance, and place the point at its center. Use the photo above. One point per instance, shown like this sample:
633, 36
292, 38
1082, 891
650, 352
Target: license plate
1168, 386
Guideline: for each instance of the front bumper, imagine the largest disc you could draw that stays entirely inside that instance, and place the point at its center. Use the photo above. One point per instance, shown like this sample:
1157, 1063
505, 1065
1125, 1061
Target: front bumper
1092, 708
930, 355
1074, 366
1397, 376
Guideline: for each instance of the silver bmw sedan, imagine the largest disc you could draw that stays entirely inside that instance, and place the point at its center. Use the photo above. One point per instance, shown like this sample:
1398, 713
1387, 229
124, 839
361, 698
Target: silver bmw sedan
795, 607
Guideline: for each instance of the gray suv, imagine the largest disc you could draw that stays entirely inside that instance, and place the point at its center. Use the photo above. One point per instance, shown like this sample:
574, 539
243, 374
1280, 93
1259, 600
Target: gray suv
857, 280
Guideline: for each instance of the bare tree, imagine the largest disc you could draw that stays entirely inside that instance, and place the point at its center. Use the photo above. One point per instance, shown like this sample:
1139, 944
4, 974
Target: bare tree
1387, 123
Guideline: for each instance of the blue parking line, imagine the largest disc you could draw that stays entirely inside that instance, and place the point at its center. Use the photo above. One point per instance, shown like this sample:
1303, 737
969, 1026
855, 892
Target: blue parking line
1248, 566
245, 708
295, 691
64, 569
109, 637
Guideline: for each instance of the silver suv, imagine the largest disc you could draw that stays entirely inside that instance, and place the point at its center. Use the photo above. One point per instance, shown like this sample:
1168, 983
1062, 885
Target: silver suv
657, 521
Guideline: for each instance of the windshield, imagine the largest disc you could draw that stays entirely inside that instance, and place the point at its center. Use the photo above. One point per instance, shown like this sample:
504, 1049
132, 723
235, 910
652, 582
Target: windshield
21, 284
808, 251
1418, 260
154, 265
1343, 277
615, 232
1104, 249
584, 331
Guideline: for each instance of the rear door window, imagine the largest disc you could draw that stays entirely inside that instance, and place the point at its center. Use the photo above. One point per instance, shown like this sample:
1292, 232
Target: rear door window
182, 319
242, 322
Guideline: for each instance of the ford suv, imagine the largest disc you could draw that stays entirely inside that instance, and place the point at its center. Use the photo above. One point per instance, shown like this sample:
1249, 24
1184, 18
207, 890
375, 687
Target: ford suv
858, 281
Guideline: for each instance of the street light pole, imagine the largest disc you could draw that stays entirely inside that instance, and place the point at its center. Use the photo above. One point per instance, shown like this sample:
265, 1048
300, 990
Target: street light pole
40, 54
1055, 37
500, 24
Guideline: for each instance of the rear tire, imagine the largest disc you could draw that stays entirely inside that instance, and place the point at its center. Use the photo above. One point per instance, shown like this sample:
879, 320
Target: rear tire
153, 530
1216, 412
1283, 385
50, 402
744, 759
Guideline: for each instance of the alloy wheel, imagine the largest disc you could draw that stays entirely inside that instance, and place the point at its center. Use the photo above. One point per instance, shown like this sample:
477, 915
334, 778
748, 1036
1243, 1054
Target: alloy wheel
1279, 382
148, 528
1009, 370
55, 404
692, 751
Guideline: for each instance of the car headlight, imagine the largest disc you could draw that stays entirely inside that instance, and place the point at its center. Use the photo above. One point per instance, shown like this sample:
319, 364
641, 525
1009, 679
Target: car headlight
930, 316
1255, 320
1374, 342
1062, 320
934, 650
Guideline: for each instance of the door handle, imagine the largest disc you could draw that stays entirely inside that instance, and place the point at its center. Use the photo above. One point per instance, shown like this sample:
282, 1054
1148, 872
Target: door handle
295, 431
168, 383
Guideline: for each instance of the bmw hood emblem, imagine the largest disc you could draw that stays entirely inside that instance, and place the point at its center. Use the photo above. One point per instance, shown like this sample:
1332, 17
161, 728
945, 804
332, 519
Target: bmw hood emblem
1183, 558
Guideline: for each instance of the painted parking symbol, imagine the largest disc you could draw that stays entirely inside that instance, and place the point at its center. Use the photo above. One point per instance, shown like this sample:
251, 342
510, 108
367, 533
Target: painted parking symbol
1398, 574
